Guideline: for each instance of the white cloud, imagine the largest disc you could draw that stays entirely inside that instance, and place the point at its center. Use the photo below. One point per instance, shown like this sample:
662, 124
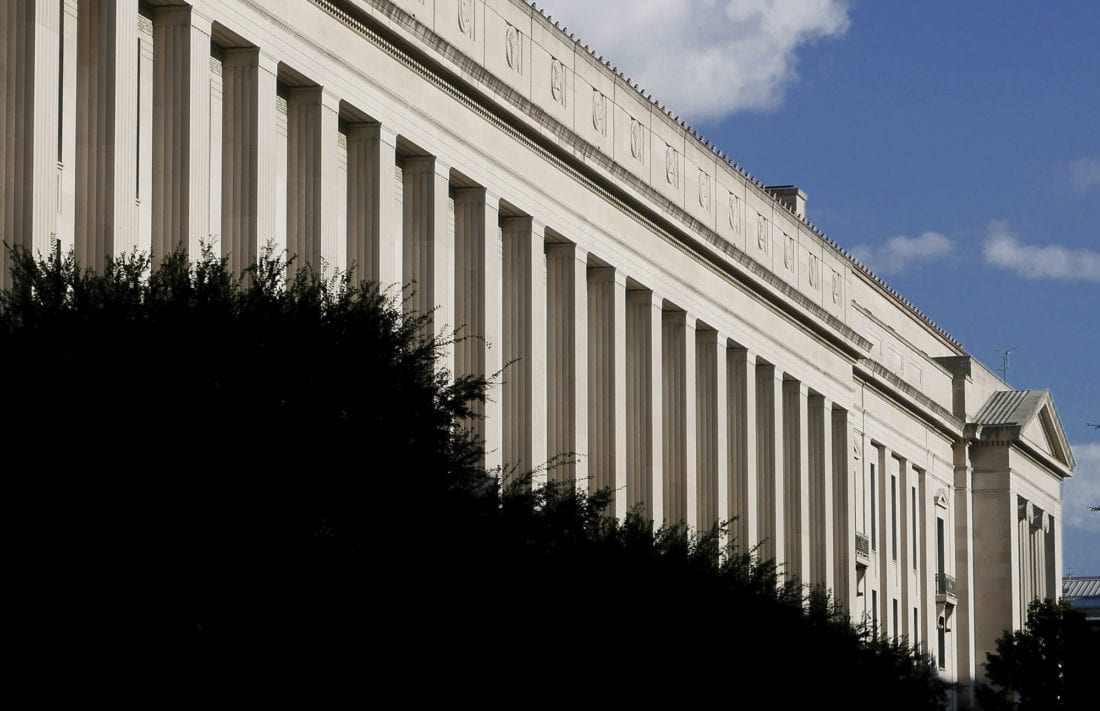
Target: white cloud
704, 59
1082, 490
1084, 173
899, 253
1003, 249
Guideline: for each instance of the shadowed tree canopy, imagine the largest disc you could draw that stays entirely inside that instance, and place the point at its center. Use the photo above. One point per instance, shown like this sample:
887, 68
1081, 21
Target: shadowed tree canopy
1050, 664
254, 472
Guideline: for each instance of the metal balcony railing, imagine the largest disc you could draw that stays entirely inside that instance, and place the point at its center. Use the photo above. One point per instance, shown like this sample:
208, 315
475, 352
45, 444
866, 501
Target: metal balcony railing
863, 549
945, 586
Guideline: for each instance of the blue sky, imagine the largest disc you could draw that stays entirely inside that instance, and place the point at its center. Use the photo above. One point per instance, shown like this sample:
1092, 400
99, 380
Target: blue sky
955, 146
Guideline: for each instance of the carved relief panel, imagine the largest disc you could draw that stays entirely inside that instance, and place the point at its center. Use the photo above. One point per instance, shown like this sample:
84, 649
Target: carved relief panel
466, 17
704, 190
599, 112
513, 49
637, 140
557, 81
762, 234
672, 166
735, 214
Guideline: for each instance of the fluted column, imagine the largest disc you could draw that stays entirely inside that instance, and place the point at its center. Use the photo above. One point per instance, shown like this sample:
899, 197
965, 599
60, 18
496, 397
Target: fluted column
843, 522
796, 485
312, 126
428, 263
181, 130
607, 385
374, 241
827, 510
677, 376
66, 150
742, 457
567, 361
30, 33
711, 429
769, 458
478, 307
820, 499
248, 154
524, 318
644, 456
106, 146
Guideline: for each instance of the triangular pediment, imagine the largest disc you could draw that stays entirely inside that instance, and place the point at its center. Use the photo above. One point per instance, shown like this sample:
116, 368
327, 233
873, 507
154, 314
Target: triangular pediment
1027, 415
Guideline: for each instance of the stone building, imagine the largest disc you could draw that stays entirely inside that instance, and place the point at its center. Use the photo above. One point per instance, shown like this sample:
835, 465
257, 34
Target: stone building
703, 349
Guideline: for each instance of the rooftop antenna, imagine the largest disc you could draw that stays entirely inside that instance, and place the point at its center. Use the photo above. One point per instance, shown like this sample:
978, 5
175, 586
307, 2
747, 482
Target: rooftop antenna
1004, 368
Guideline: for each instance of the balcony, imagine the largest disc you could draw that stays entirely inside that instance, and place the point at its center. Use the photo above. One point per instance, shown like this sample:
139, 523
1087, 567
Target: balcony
945, 588
863, 550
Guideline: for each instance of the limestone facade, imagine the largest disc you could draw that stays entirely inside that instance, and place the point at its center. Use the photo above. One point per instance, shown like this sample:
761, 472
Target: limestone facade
677, 328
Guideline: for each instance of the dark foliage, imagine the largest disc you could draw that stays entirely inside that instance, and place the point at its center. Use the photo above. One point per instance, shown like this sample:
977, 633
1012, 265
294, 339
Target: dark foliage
248, 473
1050, 664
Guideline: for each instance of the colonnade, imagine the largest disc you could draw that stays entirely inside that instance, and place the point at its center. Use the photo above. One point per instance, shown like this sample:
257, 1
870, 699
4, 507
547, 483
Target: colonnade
198, 137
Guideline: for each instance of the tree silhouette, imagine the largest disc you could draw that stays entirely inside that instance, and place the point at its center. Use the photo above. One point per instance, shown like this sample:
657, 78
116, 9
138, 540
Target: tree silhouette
1050, 664
216, 473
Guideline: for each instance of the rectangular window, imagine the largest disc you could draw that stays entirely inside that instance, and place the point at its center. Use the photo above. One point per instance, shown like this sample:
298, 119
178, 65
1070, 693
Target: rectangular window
942, 658
941, 557
894, 516
61, 84
137, 172
913, 516
874, 512
916, 629
874, 612
894, 619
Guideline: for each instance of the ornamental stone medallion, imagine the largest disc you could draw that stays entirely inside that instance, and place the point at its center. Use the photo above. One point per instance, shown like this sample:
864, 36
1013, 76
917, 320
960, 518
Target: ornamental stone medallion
704, 190
672, 166
599, 112
512, 48
466, 16
557, 81
636, 136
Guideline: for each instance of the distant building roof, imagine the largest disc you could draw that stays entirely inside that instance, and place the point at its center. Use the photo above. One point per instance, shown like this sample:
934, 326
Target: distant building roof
1077, 588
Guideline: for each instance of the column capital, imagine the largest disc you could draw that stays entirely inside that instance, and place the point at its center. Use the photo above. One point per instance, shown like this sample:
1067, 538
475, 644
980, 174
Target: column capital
707, 335
371, 131
329, 99
427, 164
743, 355
181, 15
519, 223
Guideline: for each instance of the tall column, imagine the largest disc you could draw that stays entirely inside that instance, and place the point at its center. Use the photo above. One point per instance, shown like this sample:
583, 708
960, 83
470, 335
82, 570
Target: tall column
312, 125
145, 129
815, 420
248, 154
374, 241
710, 402
567, 361
678, 421
827, 509
841, 525
106, 144
478, 307
796, 485
428, 263
607, 385
66, 149
644, 457
181, 130
742, 458
29, 152
524, 319
963, 515
770, 452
